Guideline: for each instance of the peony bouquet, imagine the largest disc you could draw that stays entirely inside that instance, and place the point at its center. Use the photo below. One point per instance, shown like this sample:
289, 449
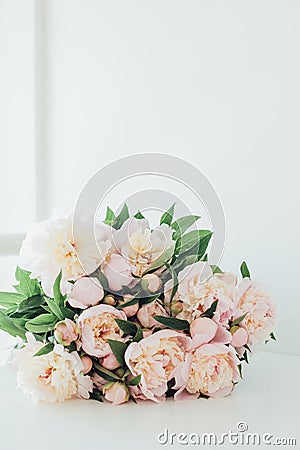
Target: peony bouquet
141, 315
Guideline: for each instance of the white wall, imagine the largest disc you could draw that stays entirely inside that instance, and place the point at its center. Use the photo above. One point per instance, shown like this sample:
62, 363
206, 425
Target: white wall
216, 83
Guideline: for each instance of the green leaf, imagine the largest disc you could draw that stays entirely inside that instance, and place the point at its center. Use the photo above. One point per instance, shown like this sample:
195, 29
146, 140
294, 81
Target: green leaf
244, 270
211, 310
139, 215
161, 260
147, 300
110, 217
135, 381
182, 224
216, 269
138, 335
7, 324
272, 336
167, 217
29, 303
239, 319
121, 217
174, 281
103, 280
105, 373
240, 370
196, 240
131, 302
126, 326
67, 313
54, 308
96, 395
42, 323
44, 350
9, 298
58, 297
118, 348
27, 286
173, 323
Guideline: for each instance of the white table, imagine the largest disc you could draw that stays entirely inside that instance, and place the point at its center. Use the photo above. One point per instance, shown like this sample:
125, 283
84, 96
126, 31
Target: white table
267, 400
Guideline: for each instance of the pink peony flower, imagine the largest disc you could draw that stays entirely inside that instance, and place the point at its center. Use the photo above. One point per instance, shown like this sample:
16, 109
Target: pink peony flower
97, 325
118, 272
86, 292
157, 358
211, 367
116, 393
66, 332
198, 288
146, 312
261, 311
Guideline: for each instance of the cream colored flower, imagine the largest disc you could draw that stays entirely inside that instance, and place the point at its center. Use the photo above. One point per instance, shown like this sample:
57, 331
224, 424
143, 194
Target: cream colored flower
213, 370
141, 246
261, 311
56, 376
157, 358
50, 247
97, 325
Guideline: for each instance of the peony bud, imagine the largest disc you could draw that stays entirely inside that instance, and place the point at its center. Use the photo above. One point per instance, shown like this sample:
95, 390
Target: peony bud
176, 308
116, 393
87, 364
110, 362
151, 282
239, 337
109, 300
130, 310
66, 332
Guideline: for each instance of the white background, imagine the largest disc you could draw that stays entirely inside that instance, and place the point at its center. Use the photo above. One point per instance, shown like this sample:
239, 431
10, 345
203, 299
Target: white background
84, 82
216, 83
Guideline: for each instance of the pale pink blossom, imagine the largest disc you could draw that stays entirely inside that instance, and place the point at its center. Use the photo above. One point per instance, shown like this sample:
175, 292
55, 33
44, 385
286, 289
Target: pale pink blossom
141, 246
97, 325
55, 376
147, 312
153, 282
118, 272
211, 367
98, 381
66, 332
87, 364
157, 358
116, 393
130, 310
239, 338
87, 291
261, 311
110, 362
198, 288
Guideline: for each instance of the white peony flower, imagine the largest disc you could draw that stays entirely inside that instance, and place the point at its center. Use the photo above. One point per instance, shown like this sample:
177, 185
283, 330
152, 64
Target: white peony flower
51, 247
141, 246
56, 376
